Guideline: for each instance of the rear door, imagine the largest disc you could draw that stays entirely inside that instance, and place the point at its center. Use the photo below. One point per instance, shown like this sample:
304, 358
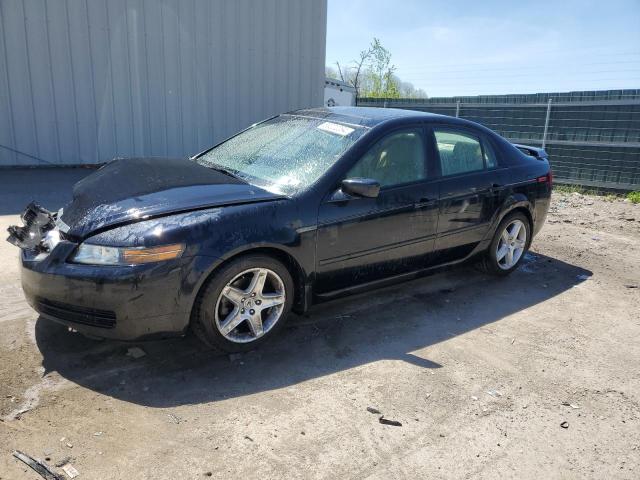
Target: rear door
469, 190
364, 239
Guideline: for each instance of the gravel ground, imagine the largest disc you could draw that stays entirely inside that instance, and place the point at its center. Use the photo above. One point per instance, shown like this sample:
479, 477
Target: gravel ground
482, 373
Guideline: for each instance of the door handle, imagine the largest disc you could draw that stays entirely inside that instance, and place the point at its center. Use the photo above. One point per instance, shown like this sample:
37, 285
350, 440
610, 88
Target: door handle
495, 187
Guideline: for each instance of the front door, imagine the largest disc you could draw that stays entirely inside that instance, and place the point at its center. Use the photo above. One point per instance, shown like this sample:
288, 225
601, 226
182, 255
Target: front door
364, 239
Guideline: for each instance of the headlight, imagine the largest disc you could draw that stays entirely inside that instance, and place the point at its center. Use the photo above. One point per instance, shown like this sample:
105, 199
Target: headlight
101, 255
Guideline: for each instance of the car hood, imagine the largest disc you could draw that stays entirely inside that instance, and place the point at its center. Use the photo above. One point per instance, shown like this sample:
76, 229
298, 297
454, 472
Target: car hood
130, 190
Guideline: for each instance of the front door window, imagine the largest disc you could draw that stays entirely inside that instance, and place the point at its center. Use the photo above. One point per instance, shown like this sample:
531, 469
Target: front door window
395, 159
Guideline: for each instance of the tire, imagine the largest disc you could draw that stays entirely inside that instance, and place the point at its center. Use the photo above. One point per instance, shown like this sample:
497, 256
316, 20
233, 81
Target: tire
226, 299
491, 263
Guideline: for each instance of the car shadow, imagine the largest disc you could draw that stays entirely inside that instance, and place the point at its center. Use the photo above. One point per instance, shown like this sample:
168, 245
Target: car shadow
385, 324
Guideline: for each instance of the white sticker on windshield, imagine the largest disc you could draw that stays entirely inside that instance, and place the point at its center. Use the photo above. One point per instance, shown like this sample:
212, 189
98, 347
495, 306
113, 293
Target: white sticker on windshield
335, 128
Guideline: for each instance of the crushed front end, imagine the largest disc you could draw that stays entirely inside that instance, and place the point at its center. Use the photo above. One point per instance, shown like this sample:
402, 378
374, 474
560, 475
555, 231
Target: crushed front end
123, 302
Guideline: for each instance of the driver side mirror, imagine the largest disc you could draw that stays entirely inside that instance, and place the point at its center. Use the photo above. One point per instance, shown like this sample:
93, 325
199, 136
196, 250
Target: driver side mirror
361, 187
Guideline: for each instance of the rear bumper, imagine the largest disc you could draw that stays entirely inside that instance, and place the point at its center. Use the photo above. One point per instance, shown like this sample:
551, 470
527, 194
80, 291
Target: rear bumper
540, 214
123, 303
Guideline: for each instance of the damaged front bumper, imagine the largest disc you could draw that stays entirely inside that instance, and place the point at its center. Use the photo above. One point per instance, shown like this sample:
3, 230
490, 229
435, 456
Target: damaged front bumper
117, 302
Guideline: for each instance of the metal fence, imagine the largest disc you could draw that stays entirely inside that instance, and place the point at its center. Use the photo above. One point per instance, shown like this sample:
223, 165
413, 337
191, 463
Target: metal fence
593, 138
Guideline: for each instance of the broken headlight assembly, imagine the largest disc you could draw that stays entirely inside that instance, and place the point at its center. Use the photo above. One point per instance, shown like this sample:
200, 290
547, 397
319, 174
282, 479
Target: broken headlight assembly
91, 254
37, 224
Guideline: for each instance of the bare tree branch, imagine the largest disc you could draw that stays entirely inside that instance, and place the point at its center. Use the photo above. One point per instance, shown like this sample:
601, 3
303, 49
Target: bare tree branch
364, 57
340, 71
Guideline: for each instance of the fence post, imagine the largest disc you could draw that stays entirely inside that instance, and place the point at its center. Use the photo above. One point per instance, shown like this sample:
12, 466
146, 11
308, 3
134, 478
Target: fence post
457, 108
546, 124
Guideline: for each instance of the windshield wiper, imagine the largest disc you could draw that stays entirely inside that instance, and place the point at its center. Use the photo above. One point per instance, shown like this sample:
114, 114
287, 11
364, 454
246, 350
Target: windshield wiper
226, 171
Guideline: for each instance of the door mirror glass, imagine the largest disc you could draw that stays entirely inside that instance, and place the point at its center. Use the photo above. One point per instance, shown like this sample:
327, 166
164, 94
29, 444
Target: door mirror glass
361, 187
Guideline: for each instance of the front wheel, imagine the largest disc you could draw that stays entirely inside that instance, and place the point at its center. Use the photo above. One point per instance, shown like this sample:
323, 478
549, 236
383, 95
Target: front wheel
509, 244
243, 304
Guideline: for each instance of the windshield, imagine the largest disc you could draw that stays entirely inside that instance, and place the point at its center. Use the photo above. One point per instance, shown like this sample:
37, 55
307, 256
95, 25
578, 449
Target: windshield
285, 154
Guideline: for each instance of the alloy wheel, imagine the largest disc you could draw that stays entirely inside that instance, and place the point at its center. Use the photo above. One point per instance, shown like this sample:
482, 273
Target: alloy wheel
511, 245
250, 305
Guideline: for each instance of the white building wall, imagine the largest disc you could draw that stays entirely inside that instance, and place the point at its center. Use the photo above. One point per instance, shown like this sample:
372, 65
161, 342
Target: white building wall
84, 81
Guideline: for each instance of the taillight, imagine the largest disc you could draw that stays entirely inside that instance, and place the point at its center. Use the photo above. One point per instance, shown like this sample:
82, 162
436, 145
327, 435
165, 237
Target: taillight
548, 178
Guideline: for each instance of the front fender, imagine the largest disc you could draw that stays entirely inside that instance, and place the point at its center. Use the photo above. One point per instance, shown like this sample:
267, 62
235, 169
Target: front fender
205, 266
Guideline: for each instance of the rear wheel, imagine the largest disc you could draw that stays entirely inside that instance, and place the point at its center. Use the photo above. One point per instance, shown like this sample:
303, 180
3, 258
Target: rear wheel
509, 244
243, 304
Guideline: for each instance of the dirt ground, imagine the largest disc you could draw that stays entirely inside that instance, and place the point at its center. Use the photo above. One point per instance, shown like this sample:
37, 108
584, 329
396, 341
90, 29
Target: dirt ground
481, 372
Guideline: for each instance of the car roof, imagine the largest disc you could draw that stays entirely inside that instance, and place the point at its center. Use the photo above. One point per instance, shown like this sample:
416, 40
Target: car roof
364, 116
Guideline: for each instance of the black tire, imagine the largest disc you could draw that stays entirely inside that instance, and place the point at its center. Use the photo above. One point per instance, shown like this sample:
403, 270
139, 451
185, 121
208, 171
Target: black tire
203, 321
489, 262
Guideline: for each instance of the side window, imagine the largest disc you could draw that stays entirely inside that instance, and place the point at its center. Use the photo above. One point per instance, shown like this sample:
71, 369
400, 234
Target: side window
459, 152
395, 159
489, 155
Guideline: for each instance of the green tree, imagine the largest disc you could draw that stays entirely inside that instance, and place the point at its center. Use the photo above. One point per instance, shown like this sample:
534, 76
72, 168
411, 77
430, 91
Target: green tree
381, 72
373, 75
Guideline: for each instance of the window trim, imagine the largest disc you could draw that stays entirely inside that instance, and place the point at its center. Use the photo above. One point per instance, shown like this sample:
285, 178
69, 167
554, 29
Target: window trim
461, 131
420, 128
485, 141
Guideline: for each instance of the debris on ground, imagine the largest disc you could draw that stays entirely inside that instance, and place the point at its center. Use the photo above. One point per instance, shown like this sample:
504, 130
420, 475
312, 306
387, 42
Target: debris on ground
373, 410
494, 393
572, 405
174, 418
38, 466
473, 397
97, 434
564, 424
247, 437
20, 412
386, 421
630, 285
70, 470
63, 462
136, 352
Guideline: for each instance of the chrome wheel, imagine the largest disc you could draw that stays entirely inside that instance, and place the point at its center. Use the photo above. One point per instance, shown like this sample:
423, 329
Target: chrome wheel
250, 305
511, 245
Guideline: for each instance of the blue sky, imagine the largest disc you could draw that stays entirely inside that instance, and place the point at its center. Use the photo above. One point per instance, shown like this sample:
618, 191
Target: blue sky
491, 47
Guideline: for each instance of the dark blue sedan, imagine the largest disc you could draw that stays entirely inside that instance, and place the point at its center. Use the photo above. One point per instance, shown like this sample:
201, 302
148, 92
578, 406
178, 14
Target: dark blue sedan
301, 208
